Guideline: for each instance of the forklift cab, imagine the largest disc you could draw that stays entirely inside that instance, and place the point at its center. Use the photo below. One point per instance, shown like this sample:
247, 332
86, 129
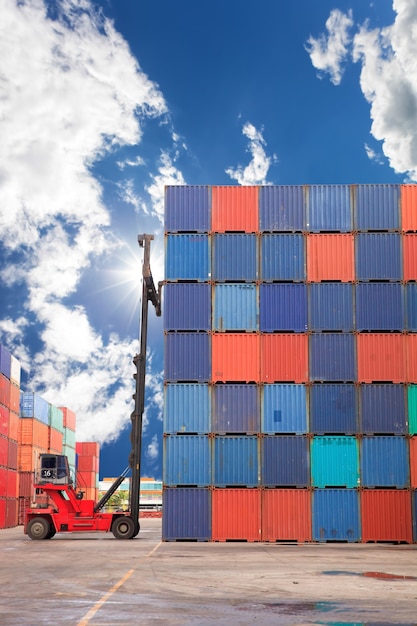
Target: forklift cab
54, 469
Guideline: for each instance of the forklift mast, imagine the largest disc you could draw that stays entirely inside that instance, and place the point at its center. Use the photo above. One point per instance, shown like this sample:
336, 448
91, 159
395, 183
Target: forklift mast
153, 295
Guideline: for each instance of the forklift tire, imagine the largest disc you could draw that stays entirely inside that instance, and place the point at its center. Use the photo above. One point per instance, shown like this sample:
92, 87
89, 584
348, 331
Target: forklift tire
123, 527
137, 529
38, 528
51, 533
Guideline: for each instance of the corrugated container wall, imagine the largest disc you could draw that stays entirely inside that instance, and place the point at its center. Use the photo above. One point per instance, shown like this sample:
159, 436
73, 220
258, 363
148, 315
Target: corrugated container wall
234, 209
235, 257
283, 307
187, 257
379, 256
331, 307
380, 306
187, 306
284, 409
187, 514
236, 408
187, 357
235, 307
281, 208
187, 408
283, 257
336, 515
330, 257
329, 208
333, 409
187, 208
377, 207
409, 207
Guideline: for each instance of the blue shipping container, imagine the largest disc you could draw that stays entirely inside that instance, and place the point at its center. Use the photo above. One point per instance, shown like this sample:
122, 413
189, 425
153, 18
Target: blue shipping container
236, 409
285, 461
187, 514
235, 257
187, 208
336, 515
32, 405
329, 208
334, 462
332, 357
377, 207
378, 256
281, 208
5, 362
187, 306
187, 408
384, 462
333, 409
383, 409
187, 357
187, 257
187, 460
331, 306
380, 306
283, 307
284, 409
411, 296
236, 461
235, 307
283, 257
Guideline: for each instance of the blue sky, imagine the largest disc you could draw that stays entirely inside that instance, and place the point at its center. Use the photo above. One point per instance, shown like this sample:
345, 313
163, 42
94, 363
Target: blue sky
104, 102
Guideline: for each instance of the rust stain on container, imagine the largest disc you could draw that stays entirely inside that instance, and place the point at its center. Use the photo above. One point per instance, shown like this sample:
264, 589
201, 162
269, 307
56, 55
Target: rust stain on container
330, 257
410, 256
284, 357
235, 209
381, 357
235, 357
409, 207
236, 514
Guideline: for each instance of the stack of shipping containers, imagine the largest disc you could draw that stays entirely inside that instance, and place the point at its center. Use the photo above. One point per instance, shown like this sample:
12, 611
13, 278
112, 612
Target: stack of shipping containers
87, 461
9, 420
68, 445
290, 319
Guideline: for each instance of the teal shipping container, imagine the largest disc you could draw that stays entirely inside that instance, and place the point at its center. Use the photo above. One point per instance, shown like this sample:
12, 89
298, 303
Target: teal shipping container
334, 462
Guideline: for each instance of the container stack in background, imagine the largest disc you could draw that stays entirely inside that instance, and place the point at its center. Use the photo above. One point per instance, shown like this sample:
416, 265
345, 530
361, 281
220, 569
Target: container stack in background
68, 445
9, 420
290, 319
87, 470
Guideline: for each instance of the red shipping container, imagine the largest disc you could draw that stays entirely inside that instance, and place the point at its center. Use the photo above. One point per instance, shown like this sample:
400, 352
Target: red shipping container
236, 514
386, 515
411, 357
236, 357
234, 209
2, 511
12, 484
381, 357
409, 207
4, 451
69, 418
12, 455
28, 457
14, 421
91, 493
4, 391
14, 398
11, 512
87, 448
87, 463
330, 257
86, 479
410, 257
413, 462
25, 484
33, 432
4, 420
284, 357
55, 440
4, 477
286, 515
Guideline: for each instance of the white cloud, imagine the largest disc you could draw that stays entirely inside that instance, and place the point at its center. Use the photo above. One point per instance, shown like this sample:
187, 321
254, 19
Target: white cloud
128, 195
372, 155
152, 451
74, 97
168, 174
328, 53
131, 162
256, 172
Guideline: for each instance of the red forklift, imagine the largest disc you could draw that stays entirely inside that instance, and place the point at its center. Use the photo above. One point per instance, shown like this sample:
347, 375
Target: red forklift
66, 510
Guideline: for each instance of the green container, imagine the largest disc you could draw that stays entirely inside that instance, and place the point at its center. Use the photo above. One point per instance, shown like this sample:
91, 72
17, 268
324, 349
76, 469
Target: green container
69, 452
334, 462
69, 438
56, 418
412, 409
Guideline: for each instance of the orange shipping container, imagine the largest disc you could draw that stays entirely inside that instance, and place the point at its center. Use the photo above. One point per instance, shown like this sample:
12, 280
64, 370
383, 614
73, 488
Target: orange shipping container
87, 448
12, 483
3, 502
411, 357
236, 357
386, 515
235, 209
86, 479
87, 463
14, 421
11, 512
55, 440
330, 257
409, 207
14, 398
69, 418
413, 462
236, 514
381, 357
284, 357
410, 257
25, 484
28, 457
32, 432
4, 391
286, 515
4, 451
4, 420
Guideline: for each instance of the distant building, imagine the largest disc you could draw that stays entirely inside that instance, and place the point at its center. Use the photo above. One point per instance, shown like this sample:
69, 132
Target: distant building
150, 491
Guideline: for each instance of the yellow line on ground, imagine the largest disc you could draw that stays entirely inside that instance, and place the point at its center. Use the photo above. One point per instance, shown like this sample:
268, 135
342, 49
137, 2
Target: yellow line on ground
90, 614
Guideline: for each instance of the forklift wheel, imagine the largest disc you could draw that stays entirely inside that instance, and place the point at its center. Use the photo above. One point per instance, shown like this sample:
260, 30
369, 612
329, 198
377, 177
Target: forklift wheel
51, 533
137, 529
38, 528
123, 527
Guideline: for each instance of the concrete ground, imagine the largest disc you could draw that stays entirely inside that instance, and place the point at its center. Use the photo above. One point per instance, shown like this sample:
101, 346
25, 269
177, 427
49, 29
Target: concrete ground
96, 580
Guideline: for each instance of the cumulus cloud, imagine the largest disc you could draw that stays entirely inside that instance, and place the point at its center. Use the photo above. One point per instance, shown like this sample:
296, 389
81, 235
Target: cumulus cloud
373, 155
256, 172
168, 174
78, 95
328, 52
